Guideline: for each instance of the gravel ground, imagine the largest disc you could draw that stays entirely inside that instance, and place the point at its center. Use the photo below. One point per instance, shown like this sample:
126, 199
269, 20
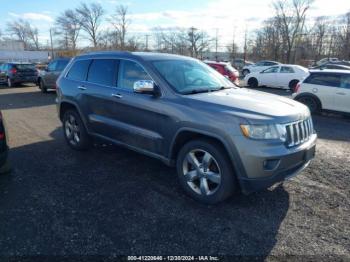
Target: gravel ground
111, 201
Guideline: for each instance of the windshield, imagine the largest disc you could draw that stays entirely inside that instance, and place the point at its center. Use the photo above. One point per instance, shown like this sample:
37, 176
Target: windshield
191, 76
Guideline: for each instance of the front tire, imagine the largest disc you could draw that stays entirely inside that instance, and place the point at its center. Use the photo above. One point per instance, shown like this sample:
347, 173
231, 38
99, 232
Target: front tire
42, 86
75, 132
253, 82
205, 171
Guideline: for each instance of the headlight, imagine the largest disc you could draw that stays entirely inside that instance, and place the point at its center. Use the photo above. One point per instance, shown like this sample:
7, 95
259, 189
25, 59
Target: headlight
264, 132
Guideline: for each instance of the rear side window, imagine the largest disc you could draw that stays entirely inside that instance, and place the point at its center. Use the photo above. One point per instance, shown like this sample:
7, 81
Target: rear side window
25, 66
287, 69
79, 70
102, 72
324, 80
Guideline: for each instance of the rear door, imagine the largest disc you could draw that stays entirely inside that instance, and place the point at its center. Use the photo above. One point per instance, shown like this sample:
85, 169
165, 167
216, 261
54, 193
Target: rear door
324, 86
342, 94
285, 75
50, 74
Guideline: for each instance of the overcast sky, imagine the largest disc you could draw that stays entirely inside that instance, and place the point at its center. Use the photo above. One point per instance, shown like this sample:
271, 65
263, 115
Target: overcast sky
230, 17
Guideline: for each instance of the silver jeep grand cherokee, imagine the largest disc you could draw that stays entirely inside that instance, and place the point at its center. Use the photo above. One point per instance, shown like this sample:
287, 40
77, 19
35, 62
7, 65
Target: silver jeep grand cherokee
221, 138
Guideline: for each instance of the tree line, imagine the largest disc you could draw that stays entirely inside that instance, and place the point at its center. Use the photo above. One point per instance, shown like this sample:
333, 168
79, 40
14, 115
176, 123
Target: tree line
289, 36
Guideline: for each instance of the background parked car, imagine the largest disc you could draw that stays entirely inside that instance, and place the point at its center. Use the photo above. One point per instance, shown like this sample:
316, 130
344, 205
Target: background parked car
47, 77
325, 89
326, 60
4, 167
280, 76
225, 69
332, 66
258, 67
17, 73
239, 63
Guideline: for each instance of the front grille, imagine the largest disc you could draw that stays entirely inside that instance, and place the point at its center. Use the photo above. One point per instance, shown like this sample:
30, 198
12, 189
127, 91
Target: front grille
299, 132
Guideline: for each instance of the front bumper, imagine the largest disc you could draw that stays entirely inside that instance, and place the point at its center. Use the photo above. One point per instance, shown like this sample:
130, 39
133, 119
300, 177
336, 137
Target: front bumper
272, 164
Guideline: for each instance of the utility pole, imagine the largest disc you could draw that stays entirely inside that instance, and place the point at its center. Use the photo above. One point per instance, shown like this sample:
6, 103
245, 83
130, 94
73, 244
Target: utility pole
147, 36
216, 43
192, 30
245, 46
52, 55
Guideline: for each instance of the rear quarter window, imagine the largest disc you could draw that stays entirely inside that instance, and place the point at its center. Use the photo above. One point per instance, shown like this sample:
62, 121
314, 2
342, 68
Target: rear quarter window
79, 70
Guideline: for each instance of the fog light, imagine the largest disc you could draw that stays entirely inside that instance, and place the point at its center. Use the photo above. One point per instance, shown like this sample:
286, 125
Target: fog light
271, 164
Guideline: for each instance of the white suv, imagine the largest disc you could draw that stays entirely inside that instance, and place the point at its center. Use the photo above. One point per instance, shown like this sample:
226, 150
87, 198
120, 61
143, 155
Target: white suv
325, 90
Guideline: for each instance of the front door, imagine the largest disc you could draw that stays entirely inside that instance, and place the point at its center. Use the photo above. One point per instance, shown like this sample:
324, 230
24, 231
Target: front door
268, 77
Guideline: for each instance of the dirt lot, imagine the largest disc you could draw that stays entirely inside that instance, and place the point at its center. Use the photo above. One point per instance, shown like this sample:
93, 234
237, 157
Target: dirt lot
111, 201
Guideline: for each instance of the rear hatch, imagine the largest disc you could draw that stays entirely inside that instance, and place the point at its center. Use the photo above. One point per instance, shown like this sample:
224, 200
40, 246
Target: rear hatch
26, 70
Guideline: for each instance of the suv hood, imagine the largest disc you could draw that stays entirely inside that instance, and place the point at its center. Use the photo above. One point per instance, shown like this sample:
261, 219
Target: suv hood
254, 105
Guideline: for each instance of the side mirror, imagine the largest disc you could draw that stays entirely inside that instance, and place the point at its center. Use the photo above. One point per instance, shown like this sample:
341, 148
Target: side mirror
144, 87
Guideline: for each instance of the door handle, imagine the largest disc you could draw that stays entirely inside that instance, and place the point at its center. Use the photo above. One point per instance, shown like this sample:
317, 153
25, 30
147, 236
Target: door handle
117, 95
341, 93
82, 87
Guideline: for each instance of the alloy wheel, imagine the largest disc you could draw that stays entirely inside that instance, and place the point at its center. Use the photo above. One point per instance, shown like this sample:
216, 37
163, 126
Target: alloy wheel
72, 130
202, 172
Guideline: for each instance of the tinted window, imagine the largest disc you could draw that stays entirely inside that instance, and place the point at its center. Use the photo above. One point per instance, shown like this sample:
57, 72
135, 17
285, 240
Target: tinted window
79, 70
287, 69
25, 66
102, 72
324, 80
129, 73
61, 65
345, 81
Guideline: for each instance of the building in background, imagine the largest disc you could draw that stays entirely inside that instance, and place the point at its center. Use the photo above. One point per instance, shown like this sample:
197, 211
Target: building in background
13, 51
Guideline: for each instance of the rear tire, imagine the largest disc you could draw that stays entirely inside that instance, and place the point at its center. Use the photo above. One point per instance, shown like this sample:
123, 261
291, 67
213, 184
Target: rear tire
75, 132
253, 82
293, 84
205, 171
42, 86
312, 103
6, 168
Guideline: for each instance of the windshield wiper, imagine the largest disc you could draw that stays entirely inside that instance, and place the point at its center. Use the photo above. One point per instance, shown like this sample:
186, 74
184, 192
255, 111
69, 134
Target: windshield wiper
206, 90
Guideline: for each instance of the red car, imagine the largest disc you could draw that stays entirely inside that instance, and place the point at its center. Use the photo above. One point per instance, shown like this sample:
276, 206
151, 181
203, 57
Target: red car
225, 69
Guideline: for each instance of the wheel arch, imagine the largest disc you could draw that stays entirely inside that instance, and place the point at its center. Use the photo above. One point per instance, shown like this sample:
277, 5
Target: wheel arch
185, 135
64, 106
310, 95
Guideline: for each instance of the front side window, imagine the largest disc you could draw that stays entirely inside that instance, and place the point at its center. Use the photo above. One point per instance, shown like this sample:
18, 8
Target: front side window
102, 72
129, 73
287, 69
271, 70
191, 76
345, 81
324, 80
79, 70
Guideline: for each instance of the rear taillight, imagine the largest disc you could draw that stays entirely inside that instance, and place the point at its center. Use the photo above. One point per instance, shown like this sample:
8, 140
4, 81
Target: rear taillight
297, 88
13, 70
2, 136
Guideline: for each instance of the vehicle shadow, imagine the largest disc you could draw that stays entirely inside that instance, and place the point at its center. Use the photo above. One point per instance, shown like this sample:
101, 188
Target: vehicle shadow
18, 100
110, 200
332, 127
